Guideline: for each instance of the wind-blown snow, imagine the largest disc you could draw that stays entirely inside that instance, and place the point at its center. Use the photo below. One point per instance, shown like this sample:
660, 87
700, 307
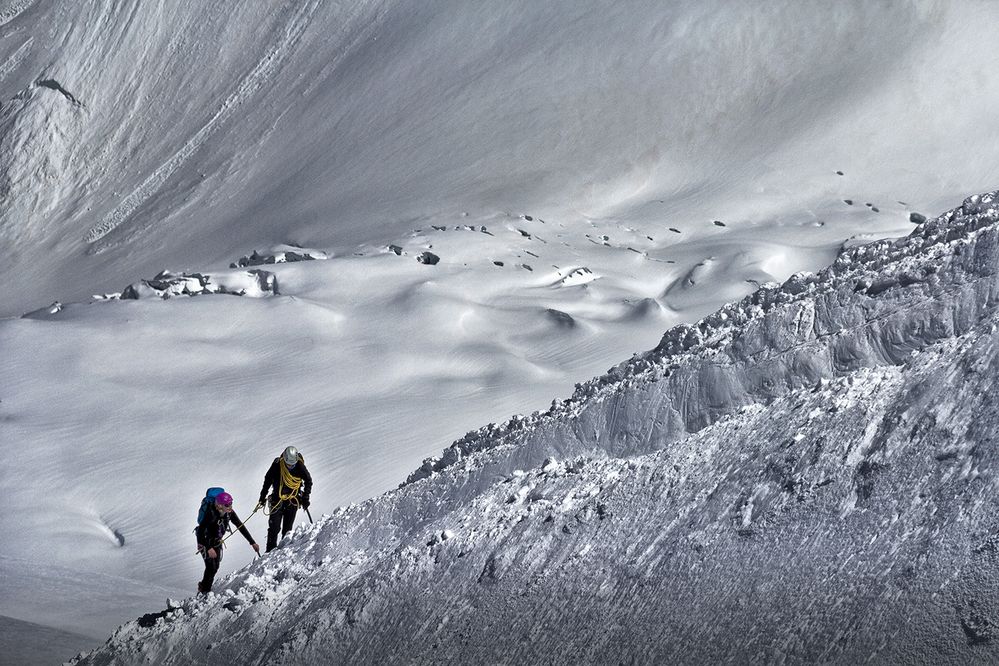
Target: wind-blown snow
171, 135
585, 176
806, 475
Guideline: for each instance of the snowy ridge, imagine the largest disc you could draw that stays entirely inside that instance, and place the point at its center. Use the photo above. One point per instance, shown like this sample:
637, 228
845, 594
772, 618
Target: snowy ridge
807, 308
813, 483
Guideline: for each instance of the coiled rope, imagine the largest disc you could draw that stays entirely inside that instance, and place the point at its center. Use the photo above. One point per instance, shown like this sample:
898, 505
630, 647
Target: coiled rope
289, 481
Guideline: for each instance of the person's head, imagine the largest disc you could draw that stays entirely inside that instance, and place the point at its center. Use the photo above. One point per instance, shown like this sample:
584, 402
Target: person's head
224, 502
290, 456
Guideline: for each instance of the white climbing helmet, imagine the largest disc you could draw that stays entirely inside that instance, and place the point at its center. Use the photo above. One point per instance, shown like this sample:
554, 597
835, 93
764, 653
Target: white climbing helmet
290, 456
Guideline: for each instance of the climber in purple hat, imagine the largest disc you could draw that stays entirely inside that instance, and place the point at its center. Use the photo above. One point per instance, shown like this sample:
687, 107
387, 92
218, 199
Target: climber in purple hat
213, 523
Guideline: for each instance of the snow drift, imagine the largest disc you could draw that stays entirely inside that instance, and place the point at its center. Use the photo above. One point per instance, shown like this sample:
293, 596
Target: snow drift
806, 475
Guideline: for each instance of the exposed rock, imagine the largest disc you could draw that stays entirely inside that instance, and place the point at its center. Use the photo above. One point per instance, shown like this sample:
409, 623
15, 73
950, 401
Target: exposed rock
428, 258
254, 283
280, 255
561, 319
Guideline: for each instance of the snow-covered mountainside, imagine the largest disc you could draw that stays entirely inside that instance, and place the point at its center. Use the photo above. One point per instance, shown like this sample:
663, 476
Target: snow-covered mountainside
138, 135
806, 475
502, 200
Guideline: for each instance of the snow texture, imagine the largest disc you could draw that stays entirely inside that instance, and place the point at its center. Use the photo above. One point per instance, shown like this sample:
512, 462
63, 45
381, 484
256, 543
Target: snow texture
586, 175
145, 135
807, 475
28, 643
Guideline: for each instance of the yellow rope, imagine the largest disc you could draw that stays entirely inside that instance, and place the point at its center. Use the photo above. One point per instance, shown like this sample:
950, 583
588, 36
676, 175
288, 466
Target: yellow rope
293, 483
289, 481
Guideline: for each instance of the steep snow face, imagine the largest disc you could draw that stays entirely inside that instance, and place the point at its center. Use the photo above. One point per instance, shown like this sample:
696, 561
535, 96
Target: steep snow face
139, 135
807, 475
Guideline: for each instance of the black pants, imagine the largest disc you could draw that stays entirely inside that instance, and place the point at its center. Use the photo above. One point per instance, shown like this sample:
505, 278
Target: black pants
211, 568
281, 520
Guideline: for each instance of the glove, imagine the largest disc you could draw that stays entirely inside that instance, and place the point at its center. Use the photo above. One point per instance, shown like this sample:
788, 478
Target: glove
260, 505
304, 502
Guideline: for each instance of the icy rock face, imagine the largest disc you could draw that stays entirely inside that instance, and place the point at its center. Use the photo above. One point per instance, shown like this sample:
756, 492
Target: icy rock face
254, 283
806, 476
283, 254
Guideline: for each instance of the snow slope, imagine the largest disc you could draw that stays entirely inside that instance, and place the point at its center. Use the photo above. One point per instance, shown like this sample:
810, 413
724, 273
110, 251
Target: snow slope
135, 136
24, 643
589, 176
806, 475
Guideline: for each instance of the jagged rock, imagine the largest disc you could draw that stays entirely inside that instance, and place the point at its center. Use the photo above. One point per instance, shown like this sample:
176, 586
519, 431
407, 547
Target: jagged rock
166, 284
428, 258
279, 255
561, 319
43, 313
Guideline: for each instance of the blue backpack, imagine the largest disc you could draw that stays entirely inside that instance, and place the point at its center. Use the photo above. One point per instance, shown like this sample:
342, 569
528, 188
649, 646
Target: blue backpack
209, 499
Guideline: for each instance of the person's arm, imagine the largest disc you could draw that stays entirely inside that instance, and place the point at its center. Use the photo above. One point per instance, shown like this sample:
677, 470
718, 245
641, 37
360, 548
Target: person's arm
242, 528
307, 478
269, 479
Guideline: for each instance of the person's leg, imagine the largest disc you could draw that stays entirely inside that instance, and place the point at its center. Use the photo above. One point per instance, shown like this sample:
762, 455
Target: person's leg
274, 528
289, 518
211, 568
